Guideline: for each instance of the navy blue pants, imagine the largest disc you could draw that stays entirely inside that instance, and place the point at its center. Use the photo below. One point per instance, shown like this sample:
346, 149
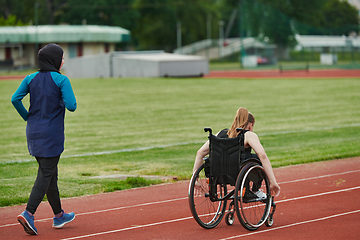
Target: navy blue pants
45, 184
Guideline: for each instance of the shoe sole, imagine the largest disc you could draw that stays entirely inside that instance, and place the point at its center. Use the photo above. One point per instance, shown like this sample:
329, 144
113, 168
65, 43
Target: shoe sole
61, 225
28, 229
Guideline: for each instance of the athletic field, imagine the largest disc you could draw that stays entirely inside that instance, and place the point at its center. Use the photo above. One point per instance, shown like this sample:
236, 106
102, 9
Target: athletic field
143, 127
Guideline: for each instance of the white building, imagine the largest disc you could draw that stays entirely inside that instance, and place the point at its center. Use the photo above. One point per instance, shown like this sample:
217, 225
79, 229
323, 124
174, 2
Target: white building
19, 45
137, 64
355, 3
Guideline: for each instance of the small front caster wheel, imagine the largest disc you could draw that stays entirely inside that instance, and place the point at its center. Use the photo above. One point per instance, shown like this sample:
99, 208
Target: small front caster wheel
229, 218
269, 222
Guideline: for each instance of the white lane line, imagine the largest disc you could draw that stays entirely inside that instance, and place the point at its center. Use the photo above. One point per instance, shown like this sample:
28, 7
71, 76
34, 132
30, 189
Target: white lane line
129, 228
160, 202
293, 224
186, 218
132, 206
318, 177
184, 143
107, 152
107, 210
317, 195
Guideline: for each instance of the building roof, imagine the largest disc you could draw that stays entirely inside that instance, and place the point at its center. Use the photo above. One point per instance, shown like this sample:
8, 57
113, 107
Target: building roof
63, 33
160, 57
327, 41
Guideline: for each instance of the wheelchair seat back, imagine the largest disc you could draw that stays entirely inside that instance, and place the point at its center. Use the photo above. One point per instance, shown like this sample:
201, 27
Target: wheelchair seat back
225, 158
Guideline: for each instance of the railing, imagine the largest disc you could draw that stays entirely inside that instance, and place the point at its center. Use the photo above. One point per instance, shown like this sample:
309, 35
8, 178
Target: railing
211, 47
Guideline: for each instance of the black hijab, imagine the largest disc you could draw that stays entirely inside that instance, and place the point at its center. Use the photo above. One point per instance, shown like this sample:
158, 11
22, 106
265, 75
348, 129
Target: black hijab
50, 58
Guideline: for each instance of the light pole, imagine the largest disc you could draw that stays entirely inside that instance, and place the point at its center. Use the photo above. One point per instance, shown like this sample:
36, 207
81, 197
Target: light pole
208, 26
36, 7
221, 37
242, 52
178, 34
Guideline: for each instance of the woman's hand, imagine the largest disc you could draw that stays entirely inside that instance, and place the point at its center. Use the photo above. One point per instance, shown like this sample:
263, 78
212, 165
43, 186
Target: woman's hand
274, 189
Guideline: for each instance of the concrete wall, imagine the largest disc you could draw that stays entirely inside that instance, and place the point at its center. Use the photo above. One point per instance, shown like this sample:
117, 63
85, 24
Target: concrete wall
118, 64
127, 67
159, 65
88, 66
190, 68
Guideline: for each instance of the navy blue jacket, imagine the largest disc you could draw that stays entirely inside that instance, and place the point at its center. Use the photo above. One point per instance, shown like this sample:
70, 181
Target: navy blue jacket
50, 93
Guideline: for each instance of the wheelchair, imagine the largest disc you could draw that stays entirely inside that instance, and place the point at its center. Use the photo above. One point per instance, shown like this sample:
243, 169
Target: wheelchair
226, 176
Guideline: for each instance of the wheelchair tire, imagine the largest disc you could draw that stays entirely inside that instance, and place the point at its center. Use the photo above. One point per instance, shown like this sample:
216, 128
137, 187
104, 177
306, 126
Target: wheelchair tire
252, 210
208, 214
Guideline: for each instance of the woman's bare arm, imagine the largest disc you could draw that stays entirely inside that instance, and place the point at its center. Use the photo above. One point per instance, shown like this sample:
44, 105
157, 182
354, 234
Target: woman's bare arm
252, 140
200, 154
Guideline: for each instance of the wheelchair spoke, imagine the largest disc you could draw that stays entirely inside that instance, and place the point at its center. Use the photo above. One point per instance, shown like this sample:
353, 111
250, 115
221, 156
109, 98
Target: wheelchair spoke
206, 212
253, 202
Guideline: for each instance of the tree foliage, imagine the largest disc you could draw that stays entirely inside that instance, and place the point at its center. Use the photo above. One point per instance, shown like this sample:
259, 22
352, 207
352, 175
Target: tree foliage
340, 18
23, 10
280, 20
11, 20
159, 18
99, 12
153, 22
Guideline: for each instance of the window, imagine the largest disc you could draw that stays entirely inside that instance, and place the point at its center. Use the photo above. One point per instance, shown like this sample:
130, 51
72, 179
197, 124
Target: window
75, 50
7, 53
79, 49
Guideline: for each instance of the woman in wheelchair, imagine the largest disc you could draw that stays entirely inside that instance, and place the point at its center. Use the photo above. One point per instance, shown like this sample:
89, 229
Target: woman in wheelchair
245, 120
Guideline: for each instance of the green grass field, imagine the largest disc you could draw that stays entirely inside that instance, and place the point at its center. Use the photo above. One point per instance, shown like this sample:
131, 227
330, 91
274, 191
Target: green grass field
155, 126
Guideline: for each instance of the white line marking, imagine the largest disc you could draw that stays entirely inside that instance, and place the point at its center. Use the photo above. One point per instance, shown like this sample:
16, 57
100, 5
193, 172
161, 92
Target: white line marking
107, 210
293, 224
184, 198
177, 199
311, 130
133, 206
317, 195
129, 228
186, 218
185, 143
108, 152
318, 177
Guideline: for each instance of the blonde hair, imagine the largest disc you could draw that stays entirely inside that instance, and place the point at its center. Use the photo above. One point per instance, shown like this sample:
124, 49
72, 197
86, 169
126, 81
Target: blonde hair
242, 118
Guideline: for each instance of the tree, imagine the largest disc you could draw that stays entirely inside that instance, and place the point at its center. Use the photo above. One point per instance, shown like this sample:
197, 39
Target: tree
52, 8
11, 20
99, 12
153, 22
280, 20
40, 12
156, 28
341, 18
21, 9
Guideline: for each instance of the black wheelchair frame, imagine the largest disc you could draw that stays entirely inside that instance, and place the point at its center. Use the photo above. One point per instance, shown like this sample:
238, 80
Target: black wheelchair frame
226, 167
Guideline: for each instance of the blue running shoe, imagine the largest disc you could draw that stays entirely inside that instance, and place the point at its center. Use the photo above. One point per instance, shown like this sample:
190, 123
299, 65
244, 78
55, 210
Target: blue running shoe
66, 218
27, 222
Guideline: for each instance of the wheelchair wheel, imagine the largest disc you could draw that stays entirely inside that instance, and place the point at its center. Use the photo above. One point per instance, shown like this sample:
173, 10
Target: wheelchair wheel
208, 214
269, 222
229, 217
252, 196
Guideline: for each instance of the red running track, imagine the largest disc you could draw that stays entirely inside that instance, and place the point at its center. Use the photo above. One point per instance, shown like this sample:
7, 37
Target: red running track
317, 201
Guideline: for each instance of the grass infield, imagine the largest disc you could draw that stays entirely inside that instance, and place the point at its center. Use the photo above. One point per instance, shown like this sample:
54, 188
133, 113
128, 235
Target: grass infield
155, 126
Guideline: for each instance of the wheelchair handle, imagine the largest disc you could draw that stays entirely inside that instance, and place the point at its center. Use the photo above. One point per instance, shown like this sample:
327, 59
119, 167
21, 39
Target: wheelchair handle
207, 129
239, 130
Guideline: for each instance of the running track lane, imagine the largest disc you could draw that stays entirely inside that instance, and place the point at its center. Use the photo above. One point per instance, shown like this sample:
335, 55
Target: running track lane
318, 200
